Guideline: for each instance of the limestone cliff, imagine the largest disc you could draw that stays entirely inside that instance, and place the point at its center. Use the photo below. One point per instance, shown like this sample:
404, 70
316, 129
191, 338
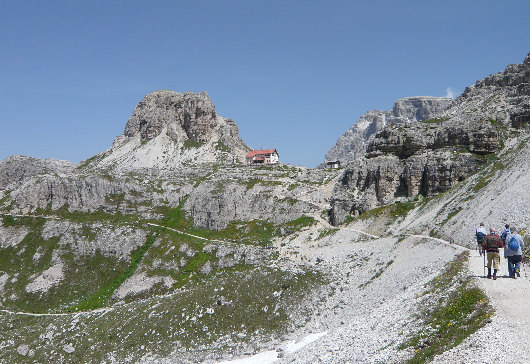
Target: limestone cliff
352, 144
15, 169
429, 157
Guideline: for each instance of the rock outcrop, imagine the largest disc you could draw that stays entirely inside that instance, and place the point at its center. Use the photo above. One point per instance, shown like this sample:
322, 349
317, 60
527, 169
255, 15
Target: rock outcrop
16, 169
502, 97
240, 194
431, 156
168, 130
352, 144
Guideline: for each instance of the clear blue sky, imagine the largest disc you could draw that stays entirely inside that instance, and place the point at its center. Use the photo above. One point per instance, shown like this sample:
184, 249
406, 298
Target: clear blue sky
294, 75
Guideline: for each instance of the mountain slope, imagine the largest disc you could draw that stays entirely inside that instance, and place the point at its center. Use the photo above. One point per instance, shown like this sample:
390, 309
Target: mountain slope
352, 145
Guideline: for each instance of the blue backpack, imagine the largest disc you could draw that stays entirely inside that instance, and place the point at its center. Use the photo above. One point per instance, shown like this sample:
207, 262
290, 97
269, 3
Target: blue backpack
481, 237
513, 244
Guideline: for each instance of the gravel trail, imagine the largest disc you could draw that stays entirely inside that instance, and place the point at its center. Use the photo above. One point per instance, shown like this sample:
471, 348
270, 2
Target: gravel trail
507, 338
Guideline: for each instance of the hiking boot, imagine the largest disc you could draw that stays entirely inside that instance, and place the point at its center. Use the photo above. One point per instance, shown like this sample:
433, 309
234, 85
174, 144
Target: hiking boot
494, 276
518, 273
489, 273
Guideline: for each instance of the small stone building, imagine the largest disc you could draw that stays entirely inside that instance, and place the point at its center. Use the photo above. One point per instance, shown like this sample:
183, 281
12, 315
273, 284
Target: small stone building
333, 164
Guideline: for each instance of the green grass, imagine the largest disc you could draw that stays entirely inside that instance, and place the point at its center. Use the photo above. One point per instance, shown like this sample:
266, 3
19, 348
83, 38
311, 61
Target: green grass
496, 124
8, 221
6, 198
397, 209
451, 215
489, 172
63, 213
178, 322
327, 232
377, 274
452, 309
190, 144
102, 296
222, 147
257, 232
249, 184
88, 161
301, 222
34, 255
435, 121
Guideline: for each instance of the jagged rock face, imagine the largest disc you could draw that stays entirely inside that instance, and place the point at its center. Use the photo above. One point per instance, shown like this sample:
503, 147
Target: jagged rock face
369, 183
77, 193
503, 97
419, 108
406, 159
183, 116
215, 210
352, 144
480, 138
168, 130
105, 238
15, 169
95, 193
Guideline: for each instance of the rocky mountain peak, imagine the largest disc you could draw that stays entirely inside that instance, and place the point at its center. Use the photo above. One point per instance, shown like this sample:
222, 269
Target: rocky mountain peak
503, 97
353, 144
168, 130
187, 115
419, 108
527, 59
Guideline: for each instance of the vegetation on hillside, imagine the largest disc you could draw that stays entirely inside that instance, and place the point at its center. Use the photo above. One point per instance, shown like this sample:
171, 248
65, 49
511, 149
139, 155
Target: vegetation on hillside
452, 309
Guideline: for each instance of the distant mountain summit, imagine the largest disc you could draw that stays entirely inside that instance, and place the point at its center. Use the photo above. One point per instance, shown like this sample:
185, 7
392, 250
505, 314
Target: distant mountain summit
431, 156
352, 144
168, 129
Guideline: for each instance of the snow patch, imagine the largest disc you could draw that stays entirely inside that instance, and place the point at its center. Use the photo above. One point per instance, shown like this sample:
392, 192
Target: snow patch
271, 356
293, 346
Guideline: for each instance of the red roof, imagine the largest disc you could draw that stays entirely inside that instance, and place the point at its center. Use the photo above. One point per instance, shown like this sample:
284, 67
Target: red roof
254, 153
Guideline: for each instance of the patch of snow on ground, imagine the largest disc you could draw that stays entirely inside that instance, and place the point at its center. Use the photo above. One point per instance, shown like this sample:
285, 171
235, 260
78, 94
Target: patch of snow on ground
271, 356
293, 346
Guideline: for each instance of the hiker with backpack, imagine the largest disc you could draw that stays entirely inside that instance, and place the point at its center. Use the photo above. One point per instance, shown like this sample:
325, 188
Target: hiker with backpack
513, 252
491, 246
480, 234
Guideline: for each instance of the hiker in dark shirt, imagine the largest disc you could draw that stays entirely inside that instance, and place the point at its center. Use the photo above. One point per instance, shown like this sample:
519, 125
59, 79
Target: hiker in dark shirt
491, 246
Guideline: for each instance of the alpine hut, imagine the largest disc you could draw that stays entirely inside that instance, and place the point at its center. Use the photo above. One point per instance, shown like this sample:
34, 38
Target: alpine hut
264, 156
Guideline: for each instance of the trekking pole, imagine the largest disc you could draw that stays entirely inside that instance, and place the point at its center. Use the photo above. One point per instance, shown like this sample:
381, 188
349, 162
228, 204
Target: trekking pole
484, 255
